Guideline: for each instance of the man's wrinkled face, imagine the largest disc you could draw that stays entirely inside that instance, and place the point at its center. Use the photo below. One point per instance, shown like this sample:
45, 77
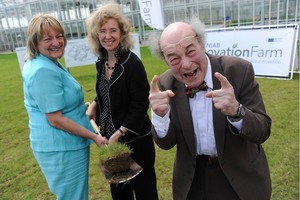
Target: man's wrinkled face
185, 56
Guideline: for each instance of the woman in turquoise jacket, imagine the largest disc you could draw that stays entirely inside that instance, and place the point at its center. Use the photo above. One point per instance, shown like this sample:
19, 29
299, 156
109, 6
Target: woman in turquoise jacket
60, 131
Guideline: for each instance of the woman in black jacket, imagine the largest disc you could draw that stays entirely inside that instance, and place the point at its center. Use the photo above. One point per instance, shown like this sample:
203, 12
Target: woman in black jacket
121, 105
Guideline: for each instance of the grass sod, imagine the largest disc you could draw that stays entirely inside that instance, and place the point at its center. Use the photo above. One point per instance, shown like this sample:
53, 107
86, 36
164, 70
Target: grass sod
21, 178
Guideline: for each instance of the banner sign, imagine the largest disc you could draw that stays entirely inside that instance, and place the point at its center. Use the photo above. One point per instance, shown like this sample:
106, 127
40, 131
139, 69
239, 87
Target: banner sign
151, 13
21, 52
77, 52
136, 46
269, 50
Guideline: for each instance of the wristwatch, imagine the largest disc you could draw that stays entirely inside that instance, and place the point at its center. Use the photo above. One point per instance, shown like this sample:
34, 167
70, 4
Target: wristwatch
241, 112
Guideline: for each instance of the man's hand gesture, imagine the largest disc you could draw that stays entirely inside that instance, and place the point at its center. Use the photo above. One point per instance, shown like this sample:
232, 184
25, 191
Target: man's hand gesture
159, 100
224, 98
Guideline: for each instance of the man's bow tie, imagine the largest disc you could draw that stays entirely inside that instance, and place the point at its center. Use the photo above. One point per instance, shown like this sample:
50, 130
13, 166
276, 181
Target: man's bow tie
190, 92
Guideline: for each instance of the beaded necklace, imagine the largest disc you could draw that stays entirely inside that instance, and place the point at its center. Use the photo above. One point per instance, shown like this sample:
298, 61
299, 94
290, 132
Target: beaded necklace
109, 67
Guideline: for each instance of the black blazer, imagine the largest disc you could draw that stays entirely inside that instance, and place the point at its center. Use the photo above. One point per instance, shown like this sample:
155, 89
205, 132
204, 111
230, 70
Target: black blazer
128, 95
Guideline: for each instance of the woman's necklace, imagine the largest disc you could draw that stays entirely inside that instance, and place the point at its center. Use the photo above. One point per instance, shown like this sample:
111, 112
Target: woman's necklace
109, 67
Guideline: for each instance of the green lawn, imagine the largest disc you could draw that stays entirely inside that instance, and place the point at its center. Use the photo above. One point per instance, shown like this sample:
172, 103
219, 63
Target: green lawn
21, 178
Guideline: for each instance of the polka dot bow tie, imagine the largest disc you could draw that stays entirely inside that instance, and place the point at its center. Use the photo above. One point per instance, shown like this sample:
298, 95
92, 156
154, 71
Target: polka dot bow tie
190, 92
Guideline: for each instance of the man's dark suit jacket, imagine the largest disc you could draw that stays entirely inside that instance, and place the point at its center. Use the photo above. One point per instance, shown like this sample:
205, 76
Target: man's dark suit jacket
241, 156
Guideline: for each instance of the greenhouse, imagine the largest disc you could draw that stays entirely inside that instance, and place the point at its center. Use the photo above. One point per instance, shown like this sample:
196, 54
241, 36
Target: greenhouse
16, 14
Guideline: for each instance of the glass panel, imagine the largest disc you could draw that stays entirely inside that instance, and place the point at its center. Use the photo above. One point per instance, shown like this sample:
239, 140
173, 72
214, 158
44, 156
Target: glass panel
274, 8
35, 8
168, 16
259, 12
68, 30
15, 15
246, 13
282, 11
204, 13
217, 13
266, 13
180, 13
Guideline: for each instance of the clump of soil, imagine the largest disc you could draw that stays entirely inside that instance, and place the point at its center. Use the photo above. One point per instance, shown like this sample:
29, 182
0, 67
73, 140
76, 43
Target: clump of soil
115, 158
118, 164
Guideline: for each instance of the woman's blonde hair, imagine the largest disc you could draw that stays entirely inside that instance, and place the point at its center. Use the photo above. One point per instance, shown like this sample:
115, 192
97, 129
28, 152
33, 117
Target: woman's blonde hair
99, 17
38, 26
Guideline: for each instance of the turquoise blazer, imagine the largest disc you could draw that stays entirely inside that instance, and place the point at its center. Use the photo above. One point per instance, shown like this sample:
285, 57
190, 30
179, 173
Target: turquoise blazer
48, 88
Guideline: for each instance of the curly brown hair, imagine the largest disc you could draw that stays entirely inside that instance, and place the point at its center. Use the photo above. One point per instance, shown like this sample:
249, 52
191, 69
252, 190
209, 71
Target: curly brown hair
110, 10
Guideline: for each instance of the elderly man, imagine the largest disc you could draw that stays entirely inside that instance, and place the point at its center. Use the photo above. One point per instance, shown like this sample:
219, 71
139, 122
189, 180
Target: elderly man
211, 108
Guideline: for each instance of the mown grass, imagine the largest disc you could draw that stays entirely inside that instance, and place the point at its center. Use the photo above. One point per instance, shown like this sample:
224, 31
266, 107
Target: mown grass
21, 178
